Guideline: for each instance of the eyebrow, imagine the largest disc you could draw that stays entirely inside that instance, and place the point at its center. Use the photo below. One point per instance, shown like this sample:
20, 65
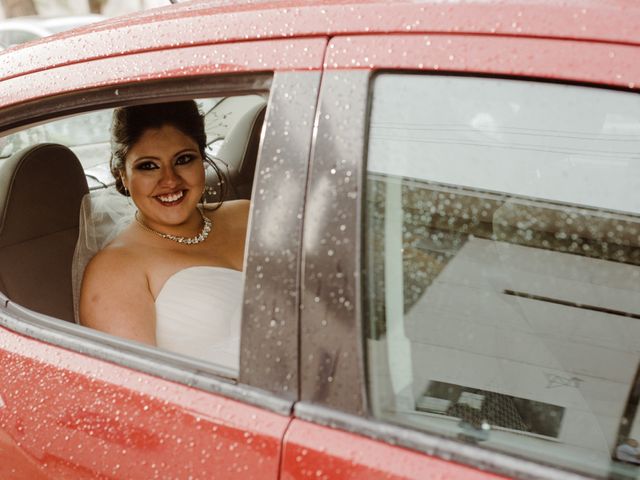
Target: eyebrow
151, 157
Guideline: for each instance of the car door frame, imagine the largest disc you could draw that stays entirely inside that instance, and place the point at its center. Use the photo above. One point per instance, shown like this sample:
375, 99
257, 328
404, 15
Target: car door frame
269, 370
333, 354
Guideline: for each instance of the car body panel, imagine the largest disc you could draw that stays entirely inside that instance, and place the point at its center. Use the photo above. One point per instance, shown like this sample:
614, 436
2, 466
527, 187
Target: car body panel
261, 56
65, 413
614, 65
161, 29
331, 322
313, 451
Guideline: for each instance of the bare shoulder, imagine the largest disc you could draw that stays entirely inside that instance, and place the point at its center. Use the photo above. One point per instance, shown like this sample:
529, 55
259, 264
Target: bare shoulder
113, 259
115, 296
229, 207
113, 273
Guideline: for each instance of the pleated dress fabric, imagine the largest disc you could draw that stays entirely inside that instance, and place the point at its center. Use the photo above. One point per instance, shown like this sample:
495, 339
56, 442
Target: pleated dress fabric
198, 314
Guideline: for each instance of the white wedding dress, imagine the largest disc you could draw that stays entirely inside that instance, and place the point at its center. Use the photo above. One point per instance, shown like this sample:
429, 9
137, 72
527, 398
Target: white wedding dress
198, 309
198, 313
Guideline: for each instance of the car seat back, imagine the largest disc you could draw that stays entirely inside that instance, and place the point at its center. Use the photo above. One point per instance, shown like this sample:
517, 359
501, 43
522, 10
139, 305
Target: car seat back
237, 156
41, 189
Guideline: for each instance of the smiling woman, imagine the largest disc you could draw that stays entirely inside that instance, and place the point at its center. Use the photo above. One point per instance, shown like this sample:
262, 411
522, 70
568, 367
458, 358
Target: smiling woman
173, 277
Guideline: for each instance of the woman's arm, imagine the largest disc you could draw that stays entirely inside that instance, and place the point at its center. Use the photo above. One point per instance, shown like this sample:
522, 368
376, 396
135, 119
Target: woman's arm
115, 297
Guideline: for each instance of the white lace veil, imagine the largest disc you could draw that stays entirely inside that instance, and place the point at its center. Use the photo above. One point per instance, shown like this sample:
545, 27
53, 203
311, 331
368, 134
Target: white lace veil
104, 214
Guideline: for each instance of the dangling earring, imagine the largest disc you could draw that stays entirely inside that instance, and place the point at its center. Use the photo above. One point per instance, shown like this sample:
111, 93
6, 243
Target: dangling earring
127, 193
121, 179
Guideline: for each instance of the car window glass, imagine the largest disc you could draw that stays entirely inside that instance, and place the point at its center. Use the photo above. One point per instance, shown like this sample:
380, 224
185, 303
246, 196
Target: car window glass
20, 36
10, 37
502, 258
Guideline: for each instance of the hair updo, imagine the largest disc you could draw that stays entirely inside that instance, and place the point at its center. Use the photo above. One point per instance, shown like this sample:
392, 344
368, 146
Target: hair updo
130, 123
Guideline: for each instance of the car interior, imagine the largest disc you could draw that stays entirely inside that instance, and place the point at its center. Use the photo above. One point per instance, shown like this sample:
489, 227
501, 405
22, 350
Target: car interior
39, 220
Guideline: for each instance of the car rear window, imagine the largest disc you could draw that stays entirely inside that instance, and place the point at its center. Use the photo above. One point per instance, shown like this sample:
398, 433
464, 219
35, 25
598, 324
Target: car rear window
502, 257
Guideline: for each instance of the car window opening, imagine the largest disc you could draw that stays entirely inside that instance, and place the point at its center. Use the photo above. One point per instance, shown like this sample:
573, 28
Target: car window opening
34, 154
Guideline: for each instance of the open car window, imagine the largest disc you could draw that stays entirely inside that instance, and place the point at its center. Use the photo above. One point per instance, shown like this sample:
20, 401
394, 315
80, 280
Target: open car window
88, 134
233, 125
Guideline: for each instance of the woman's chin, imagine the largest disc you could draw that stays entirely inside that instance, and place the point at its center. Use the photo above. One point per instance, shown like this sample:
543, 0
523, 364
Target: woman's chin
169, 215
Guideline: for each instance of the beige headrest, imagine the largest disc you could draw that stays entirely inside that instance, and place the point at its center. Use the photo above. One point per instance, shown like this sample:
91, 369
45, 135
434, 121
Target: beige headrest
41, 188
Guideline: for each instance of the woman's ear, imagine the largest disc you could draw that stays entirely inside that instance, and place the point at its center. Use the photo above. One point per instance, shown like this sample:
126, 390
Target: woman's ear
124, 181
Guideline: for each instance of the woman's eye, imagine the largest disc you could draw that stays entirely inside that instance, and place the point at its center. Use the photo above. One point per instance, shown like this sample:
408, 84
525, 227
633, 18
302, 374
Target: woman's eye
146, 166
184, 159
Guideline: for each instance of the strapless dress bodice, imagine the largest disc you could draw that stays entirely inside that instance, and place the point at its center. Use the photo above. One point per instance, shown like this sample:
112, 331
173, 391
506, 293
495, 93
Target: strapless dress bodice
198, 312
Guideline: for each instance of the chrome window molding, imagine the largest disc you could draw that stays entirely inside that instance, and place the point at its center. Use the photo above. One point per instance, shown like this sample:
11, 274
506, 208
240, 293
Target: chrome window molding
298, 110
40, 110
433, 445
137, 356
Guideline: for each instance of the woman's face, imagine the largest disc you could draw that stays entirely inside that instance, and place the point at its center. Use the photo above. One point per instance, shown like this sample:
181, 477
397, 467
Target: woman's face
164, 173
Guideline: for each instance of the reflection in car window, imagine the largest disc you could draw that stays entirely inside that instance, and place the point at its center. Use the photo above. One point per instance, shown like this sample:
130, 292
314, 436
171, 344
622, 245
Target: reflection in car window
502, 251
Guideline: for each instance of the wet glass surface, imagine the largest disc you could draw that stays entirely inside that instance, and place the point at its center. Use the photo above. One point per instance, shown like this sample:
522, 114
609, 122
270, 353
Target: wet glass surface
502, 266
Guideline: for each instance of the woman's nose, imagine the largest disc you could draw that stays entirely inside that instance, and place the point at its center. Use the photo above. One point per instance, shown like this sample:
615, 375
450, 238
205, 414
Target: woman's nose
169, 176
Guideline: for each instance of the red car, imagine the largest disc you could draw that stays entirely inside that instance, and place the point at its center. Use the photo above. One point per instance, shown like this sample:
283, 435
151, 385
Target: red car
442, 275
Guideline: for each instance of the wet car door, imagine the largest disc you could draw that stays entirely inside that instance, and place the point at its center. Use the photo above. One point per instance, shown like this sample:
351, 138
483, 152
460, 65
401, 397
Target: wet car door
383, 221
75, 403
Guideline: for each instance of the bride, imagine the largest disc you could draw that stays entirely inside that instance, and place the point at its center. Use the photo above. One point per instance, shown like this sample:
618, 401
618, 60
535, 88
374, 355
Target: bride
173, 277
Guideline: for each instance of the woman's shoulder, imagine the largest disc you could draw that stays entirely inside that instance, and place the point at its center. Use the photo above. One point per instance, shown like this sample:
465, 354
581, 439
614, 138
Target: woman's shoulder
117, 256
232, 212
228, 207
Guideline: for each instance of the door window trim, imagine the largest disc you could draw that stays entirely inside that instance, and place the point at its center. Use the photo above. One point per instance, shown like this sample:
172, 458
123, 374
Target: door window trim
147, 359
270, 328
332, 354
434, 445
333, 384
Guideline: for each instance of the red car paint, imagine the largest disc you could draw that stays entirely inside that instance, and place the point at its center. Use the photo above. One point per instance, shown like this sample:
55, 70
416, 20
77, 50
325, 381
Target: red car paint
312, 451
67, 415
219, 22
540, 58
279, 55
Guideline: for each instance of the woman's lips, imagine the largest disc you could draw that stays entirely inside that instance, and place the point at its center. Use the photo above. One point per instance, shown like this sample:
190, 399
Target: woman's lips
169, 199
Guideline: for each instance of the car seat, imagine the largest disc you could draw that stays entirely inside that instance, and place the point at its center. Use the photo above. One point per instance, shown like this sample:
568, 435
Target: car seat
41, 189
238, 154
